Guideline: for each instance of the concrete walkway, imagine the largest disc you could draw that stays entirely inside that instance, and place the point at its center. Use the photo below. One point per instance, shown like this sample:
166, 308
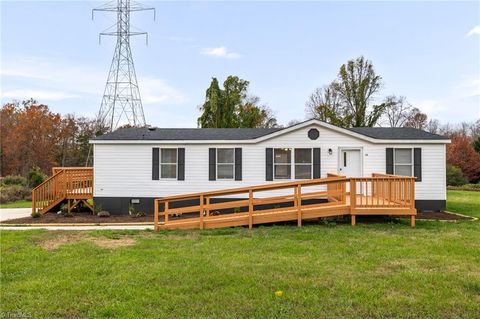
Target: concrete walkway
76, 227
12, 213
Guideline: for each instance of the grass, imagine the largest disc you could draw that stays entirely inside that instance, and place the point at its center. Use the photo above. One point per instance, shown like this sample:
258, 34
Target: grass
368, 271
17, 204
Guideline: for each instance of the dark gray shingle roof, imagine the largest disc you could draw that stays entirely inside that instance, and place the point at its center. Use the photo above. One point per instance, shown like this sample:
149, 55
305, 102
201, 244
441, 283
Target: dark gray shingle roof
396, 133
212, 134
190, 134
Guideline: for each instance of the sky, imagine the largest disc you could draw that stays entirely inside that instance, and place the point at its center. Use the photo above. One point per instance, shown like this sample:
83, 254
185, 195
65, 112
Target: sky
427, 51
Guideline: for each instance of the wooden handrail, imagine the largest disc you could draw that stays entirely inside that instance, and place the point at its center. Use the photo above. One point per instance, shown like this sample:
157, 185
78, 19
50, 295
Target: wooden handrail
239, 190
392, 193
65, 183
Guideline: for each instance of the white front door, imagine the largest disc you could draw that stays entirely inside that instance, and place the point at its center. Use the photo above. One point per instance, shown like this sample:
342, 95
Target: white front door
350, 163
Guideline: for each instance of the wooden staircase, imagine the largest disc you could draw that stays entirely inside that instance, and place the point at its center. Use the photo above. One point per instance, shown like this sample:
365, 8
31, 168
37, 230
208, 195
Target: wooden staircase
70, 185
334, 195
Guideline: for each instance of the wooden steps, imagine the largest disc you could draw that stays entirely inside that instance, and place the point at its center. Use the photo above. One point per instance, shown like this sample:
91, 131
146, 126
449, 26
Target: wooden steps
67, 184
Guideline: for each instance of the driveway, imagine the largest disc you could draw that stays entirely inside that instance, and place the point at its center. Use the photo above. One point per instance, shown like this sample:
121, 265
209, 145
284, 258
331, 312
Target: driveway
12, 213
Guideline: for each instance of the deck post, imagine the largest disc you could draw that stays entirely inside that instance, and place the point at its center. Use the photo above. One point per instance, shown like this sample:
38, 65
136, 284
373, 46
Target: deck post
353, 199
250, 209
412, 202
155, 216
33, 201
165, 218
207, 209
353, 219
299, 204
201, 211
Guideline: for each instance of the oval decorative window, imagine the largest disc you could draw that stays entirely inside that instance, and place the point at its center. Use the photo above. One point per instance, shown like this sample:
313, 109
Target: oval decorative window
313, 134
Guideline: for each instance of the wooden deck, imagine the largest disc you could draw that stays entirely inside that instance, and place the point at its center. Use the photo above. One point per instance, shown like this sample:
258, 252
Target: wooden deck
70, 185
326, 197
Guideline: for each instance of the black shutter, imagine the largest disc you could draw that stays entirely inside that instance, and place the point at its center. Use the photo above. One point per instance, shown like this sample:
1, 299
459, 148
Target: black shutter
238, 164
155, 163
181, 164
212, 163
417, 164
316, 163
389, 163
269, 164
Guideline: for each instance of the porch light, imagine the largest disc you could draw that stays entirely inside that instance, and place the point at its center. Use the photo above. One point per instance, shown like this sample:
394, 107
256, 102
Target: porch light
330, 151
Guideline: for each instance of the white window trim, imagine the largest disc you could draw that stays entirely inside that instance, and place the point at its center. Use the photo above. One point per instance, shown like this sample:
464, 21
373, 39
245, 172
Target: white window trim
292, 163
395, 160
283, 164
217, 163
303, 164
161, 163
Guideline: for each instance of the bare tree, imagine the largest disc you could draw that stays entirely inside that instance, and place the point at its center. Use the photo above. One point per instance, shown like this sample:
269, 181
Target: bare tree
433, 126
417, 119
324, 104
398, 111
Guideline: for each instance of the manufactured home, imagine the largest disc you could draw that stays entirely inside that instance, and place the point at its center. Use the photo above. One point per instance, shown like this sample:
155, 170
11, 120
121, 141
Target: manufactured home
135, 166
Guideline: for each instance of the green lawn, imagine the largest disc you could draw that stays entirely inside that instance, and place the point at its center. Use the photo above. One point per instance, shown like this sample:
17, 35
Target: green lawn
337, 271
19, 204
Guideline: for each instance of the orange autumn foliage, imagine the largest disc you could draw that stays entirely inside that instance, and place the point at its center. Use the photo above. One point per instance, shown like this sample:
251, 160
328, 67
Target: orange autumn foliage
29, 137
461, 153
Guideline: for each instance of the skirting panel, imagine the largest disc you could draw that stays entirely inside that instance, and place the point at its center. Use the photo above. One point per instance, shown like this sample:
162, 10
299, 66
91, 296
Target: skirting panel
431, 205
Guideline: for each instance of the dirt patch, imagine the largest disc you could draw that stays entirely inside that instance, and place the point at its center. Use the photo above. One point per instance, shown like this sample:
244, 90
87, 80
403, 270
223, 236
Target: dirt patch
53, 243
80, 218
112, 243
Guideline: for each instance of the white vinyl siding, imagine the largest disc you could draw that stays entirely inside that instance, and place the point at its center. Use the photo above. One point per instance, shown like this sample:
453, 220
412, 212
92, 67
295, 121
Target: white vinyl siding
124, 170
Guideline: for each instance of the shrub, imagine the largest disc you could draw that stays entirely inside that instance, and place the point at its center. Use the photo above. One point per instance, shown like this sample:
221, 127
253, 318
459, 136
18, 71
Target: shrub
35, 177
455, 176
97, 207
14, 180
466, 187
64, 208
138, 214
103, 213
3, 198
131, 210
14, 193
236, 210
36, 215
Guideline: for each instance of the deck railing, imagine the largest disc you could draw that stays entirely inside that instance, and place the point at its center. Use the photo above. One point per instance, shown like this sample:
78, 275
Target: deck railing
299, 200
65, 183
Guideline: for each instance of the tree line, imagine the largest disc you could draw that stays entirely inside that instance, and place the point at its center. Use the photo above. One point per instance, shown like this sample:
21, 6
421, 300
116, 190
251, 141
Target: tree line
32, 136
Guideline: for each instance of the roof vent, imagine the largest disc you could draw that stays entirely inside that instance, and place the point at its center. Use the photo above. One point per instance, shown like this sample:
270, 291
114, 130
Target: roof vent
152, 129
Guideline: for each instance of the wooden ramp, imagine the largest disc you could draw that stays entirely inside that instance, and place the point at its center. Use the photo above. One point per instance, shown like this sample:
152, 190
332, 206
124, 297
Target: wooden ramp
301, 200
70, 185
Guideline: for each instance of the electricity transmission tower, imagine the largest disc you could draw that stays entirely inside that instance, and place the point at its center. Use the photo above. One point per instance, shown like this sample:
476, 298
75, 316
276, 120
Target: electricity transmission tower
121, 98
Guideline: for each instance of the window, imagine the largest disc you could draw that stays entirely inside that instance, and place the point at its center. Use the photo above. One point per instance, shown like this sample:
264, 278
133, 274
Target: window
225, 163
282, 162
168, 163
403, 162
303, 163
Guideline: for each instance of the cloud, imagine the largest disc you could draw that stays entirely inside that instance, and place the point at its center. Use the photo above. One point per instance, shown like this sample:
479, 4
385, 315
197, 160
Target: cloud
39, 95
158, 91
475, 30
47, 80
220, 52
